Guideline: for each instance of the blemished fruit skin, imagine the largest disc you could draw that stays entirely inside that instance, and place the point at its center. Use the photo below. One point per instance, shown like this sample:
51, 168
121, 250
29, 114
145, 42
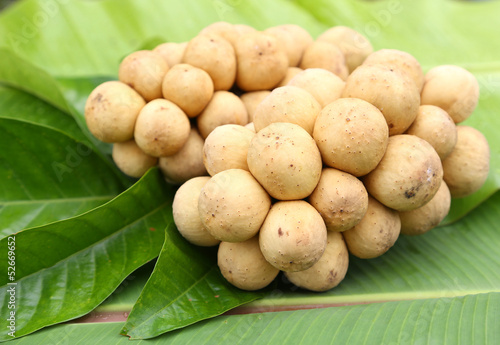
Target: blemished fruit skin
285, 160
293, 236
361, 135
394, 93
226, 147
427, 217
376, 233
287, 104
408, 175
401, 60
244, 266
162, 128
291, 153
340, 198
467, 166
330, 269
261, 62
435, 126
111, 111
233, 205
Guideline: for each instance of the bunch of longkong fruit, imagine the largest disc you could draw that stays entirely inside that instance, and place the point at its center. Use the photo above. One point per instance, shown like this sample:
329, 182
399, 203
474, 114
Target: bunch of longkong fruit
292, 152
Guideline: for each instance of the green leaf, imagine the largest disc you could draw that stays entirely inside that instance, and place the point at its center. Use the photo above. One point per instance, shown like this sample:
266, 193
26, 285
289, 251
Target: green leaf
466, 320
186, 286
65, 269
16, 104
46, 174
69, 44
67, 94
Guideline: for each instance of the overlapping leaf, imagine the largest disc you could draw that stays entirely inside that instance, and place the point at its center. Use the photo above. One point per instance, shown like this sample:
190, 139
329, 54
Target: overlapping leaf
47, 175
63, 270
185, 287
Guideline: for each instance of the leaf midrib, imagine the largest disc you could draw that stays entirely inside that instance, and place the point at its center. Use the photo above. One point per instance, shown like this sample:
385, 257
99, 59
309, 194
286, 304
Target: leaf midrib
94, 244
290, 301
56, 200
145, 321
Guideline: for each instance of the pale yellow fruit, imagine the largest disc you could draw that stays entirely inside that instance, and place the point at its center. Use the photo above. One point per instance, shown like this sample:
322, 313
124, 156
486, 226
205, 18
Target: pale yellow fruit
186, 163
340, 198
427, 217
327, 56
467, 167
226, 147
290, 73
224, 108
285, 160
186, 216
435, 126
162, 128
131, 160
408, 176
330, 269
352, 135
214, 55
294, 38
233, 205
262, 62
393, 93
252, 99
172, 52
111, 111
353, 44
244, 266
324, 85
376, 233
403, 61
144, 71
452, 88
189, 87
287, 104
293, 236
230, 32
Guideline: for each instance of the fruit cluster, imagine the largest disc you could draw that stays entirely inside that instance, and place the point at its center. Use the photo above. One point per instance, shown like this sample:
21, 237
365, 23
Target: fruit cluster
314, 148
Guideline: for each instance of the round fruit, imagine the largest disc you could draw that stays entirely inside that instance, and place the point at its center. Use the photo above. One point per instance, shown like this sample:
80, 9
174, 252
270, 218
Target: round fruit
285, 160
233, 205
244, 266
293, 236
111, 111
408, 175
186, 215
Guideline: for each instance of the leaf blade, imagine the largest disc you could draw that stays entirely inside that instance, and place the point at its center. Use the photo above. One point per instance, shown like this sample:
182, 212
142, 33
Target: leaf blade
185, 287
68, 270
440, 321
72, 173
